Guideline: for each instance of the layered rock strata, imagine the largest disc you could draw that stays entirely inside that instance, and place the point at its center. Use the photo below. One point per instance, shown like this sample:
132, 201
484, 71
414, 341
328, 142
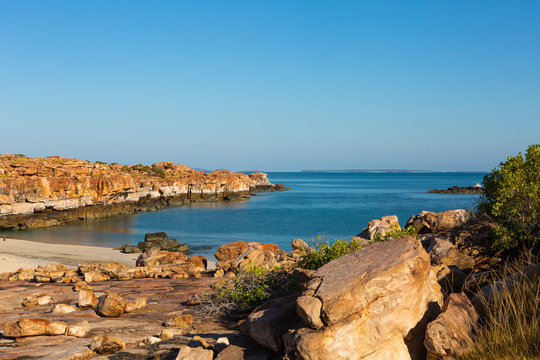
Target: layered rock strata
39, 192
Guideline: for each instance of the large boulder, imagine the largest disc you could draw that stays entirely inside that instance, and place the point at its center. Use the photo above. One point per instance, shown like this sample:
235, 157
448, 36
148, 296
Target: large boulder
111, 305
449, 336
430, 222
242, 253
379, 228
268, 322
374, 304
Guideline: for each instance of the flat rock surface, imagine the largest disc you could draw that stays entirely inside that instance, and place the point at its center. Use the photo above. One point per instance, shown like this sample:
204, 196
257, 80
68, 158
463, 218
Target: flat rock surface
165, 301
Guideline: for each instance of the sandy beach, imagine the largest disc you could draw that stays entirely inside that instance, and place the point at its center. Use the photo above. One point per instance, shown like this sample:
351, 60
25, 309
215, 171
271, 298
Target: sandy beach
15, 254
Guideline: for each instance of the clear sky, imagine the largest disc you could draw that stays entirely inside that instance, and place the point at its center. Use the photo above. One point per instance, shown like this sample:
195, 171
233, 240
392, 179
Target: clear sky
272, 85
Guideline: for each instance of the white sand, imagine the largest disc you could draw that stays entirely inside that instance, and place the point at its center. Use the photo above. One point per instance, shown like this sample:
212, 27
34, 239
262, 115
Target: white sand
15, 254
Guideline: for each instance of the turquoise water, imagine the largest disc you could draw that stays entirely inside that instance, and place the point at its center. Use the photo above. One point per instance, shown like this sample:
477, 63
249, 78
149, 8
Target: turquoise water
332, 205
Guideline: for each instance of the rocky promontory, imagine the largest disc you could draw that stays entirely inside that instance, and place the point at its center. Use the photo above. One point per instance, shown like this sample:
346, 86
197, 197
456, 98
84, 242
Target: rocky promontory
39, 192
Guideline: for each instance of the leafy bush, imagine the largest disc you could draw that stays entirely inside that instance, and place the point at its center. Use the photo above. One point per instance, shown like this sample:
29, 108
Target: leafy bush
20, 155
512, 197
510, 325
249, 288
159, 172
325, 252
101, 162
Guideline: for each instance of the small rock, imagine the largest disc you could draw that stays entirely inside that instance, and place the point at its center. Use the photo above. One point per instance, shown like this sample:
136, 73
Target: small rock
309, 309
169, 333
197, 341
81, 285
299, 244
140, 303
221, 343
78, 330
63, 309
219, 273
111, 305
87, 299
182, 321
151, 340
197, 353
105, 344
34, 327
36, 300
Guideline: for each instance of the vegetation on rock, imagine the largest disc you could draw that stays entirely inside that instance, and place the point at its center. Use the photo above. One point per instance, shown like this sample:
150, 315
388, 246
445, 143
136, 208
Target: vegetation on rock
250, 287
512, 198
324, 251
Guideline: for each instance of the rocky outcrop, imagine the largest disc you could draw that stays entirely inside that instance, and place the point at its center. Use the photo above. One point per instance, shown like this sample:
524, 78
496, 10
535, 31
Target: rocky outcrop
468, 190
259, 183
430, 222
159, 241
239, 254
449, 336
372, 304
378, 228
38, 192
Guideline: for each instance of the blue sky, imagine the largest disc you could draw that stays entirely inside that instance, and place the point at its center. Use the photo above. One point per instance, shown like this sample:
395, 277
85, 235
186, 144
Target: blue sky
272, 85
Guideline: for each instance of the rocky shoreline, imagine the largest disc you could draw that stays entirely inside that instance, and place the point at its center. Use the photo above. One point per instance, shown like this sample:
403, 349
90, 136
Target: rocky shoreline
413, 285
41, 192
466, 190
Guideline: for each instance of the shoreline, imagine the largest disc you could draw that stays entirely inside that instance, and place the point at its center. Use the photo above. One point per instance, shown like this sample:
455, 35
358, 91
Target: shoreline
16, 254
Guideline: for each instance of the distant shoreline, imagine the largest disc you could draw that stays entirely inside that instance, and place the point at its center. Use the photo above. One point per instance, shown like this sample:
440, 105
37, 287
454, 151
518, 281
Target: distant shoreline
391, 171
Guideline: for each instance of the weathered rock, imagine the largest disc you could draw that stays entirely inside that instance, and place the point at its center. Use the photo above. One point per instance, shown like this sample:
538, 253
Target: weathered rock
87, 299
221, 343
268, 322
170, 332
198, 341
309, 309
241, 254
139, 304
78, 330
37, 300
182, 321
80, 285
449, 336
451, 279
430, 222
376, 303
104, 345
199, 263
158, 257
379, 228
63, 309
111, 305
301, 245
198, 353
34, 327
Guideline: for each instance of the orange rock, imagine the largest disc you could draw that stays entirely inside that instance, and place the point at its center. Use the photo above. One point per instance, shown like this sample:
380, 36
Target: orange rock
111, 305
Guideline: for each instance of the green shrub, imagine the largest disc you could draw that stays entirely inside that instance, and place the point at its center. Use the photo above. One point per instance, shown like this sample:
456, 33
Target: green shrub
20, 155
512, 197
325, 252
101, 162
250, 287
159, 172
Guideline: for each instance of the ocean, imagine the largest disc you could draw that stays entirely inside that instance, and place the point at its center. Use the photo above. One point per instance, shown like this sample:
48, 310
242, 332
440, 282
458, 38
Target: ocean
329, 205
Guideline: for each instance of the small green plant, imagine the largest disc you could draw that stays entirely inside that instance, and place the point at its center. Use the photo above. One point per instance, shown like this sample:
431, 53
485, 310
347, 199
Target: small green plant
512, 197
325, 251
124, 168
159, 172
101, 162
250, 287
20, 155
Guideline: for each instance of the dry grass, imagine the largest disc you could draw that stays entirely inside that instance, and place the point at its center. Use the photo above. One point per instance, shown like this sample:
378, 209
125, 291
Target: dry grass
510, 322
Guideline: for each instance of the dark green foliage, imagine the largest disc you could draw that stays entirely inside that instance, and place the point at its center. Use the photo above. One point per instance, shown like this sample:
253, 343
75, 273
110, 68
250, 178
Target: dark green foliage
325, 252
159, 172
20, 155
512, 197
251, 287
100, 162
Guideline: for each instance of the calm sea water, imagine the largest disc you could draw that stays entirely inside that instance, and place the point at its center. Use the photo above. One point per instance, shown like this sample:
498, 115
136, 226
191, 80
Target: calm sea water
332, 205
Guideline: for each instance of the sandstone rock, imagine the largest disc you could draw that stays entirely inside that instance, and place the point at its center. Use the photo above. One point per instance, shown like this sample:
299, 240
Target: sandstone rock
87, 299
111, 305
34, 327
105, 344
198, 341
199, 263
379, 228
63, 309
140, 303
387, 289
78, 330
37, 300
299, 244
157, 257
309, 309
80, 285
182, 321
449, 336
451, 279
219, 273
198, 353
221, 344
268, 322
430, 222
241, 253
151, 340
169, 333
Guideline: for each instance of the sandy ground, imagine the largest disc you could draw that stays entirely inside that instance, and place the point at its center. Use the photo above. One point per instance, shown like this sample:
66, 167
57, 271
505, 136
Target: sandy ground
15, 254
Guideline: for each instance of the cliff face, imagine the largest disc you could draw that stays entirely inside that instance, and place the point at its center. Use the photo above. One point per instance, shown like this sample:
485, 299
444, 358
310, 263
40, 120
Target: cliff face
34, 188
